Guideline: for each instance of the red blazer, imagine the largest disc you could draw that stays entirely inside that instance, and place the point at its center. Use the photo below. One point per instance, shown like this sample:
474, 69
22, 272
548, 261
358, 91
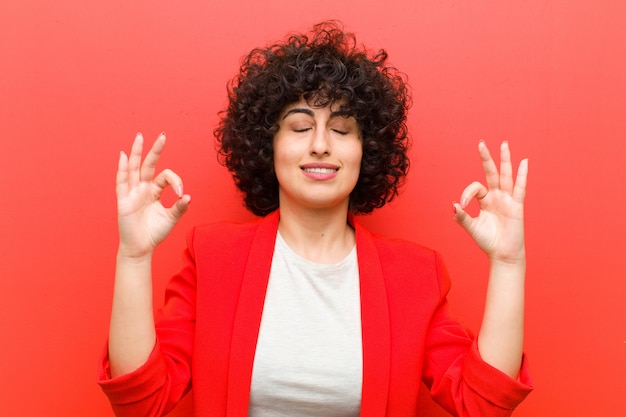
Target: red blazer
208, 328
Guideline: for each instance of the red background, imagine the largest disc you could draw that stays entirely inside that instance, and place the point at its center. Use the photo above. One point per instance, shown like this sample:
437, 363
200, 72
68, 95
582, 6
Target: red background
78, 79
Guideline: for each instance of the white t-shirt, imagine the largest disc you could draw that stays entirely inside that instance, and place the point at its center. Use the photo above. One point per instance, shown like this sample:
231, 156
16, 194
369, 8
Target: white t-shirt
308, 359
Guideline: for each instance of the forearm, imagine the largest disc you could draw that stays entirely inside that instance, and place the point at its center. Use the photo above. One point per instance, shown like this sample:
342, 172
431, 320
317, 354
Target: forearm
131, 334
501, 337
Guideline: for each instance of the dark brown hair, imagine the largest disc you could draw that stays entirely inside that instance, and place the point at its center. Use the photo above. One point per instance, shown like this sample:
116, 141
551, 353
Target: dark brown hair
323, 66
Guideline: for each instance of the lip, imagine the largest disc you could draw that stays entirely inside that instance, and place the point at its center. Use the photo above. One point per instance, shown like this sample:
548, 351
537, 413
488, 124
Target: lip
319, 171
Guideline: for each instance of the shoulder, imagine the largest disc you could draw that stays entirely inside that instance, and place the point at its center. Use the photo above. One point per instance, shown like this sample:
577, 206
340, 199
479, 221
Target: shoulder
222, 236
232, 236
406, 261
224, 229
402, 245
408, 254
390, 248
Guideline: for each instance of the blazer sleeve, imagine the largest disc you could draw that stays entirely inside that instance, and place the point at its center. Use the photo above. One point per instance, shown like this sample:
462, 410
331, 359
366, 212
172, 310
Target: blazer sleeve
156, 387
458, 379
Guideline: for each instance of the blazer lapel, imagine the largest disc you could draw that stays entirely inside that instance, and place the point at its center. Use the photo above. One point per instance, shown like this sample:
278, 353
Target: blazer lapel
247, 319
375, 326
374, 318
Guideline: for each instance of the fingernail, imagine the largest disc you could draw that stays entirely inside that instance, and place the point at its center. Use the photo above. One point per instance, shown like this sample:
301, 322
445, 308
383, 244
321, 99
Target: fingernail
162, 134
454, 206
464, 202
179, 191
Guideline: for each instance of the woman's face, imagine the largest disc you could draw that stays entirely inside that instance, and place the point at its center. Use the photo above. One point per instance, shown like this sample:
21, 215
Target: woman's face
317, 156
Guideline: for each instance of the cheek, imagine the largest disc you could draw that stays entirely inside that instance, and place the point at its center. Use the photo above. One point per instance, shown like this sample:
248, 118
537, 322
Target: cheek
285, 162
357, 157
355, 164
282, 158
279, 153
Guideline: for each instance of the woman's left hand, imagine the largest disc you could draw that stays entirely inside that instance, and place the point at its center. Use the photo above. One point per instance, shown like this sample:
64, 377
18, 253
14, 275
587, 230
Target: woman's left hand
499, 227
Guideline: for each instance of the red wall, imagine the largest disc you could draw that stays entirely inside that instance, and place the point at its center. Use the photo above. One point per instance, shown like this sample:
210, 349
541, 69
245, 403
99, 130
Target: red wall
78, 79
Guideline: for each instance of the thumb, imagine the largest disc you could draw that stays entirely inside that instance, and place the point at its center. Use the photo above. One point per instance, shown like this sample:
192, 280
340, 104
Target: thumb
461, 217
179, 208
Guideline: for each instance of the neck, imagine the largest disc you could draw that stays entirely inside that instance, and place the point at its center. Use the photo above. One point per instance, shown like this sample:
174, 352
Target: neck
319, 235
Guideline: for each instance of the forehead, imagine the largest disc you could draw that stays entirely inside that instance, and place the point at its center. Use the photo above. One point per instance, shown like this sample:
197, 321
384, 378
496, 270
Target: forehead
336, 108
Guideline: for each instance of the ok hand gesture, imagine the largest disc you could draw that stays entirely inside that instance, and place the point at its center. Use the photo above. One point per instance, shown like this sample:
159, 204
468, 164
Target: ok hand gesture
499, 227
143, 220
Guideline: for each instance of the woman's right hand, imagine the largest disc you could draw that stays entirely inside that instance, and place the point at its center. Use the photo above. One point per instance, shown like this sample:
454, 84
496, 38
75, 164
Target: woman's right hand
143, 220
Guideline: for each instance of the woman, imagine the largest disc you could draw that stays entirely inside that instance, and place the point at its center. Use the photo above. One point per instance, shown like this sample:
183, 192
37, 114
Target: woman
304, 312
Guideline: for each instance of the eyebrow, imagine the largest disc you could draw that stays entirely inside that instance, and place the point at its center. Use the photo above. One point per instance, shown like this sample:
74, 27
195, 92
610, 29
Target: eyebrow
310, 112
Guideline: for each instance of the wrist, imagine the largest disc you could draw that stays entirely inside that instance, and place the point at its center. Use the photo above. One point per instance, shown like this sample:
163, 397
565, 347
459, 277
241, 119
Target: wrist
515, 258
517, 261
508, 267
133, 257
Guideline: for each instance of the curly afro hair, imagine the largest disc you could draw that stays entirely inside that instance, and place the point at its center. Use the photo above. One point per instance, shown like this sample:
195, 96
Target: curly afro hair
323, 66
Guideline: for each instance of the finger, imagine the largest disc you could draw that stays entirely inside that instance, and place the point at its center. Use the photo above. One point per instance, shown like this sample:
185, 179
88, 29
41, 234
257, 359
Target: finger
489, 167
134, 160
167, 177
121, 177
149, 163
474, 190
506, 168
519, 191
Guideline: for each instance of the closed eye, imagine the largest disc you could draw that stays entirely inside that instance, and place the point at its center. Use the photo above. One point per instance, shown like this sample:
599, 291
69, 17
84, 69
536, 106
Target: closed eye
302, 130
341, 132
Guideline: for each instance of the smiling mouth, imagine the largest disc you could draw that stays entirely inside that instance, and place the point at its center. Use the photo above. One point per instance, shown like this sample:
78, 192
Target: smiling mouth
320, 170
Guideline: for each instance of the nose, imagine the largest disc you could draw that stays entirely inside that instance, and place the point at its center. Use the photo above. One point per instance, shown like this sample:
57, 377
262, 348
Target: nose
320, 142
